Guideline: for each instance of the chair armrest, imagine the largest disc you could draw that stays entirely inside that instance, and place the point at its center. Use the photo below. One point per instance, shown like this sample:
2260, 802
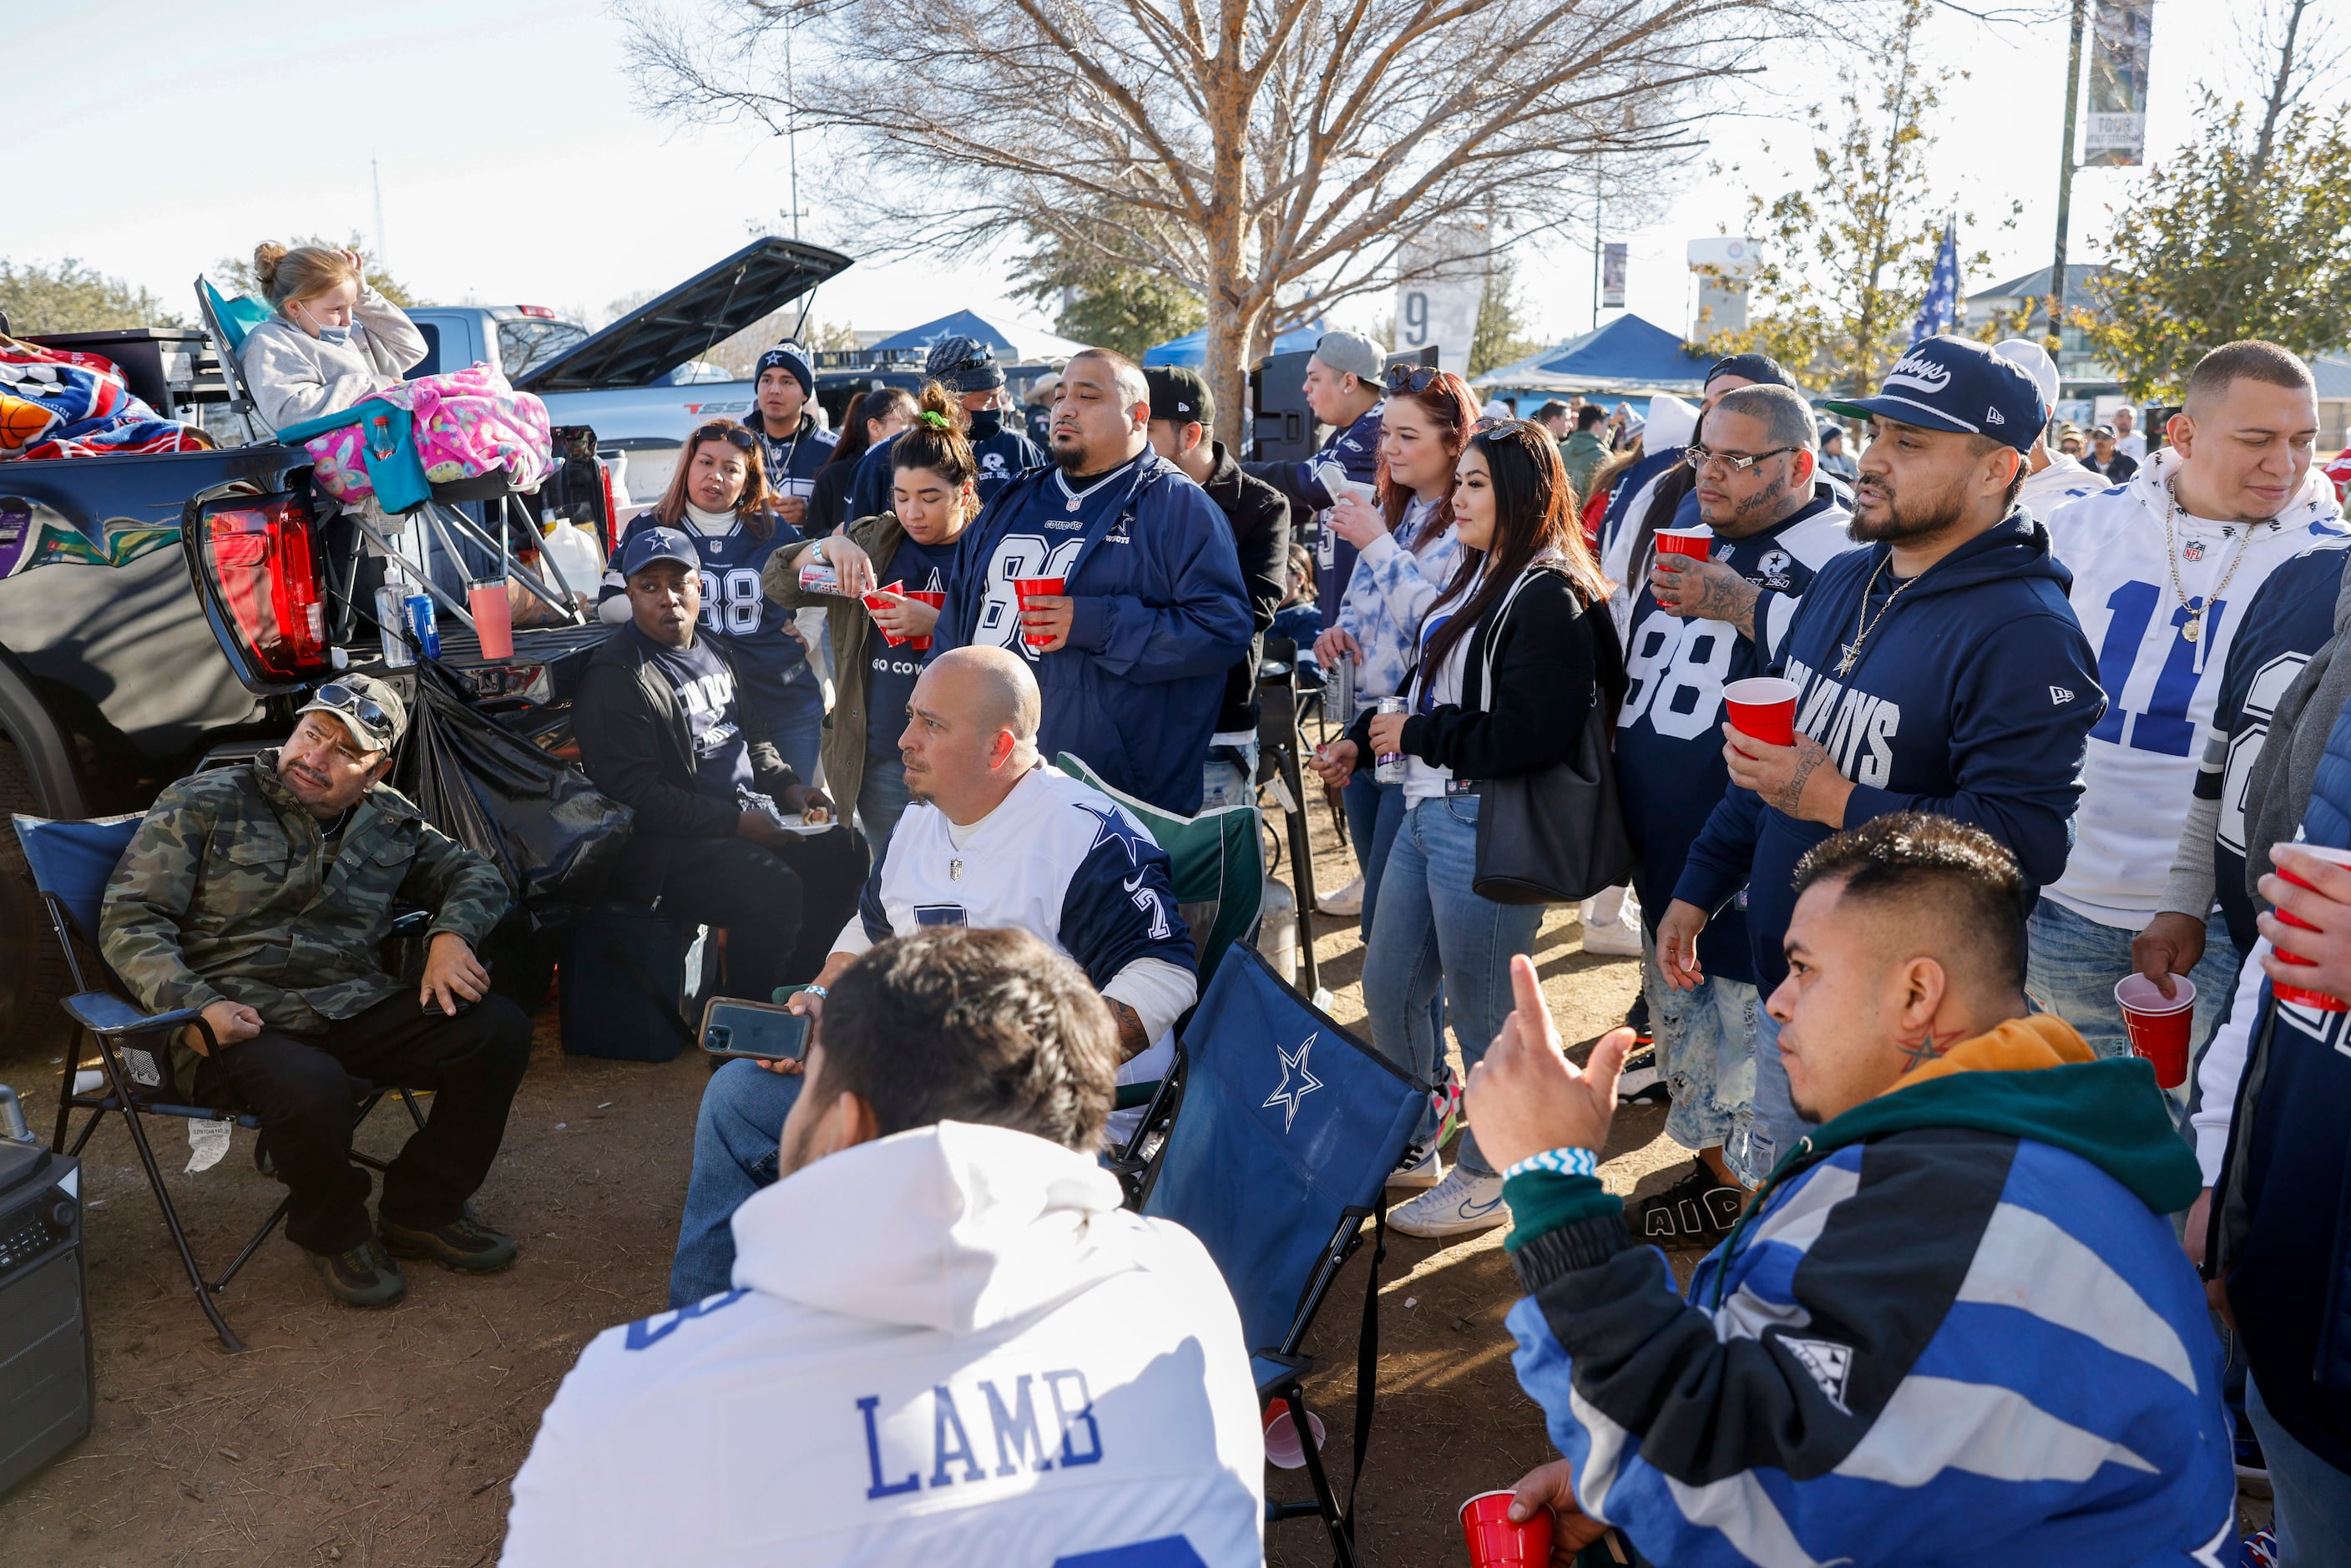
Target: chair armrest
104, 1013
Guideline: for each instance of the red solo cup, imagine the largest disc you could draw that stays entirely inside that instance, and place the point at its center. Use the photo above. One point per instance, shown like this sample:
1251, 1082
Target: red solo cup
1697, 543
1496, 1543
875, 603
2158, 1025
937, 600
2296, 995
1763, 707
1281, 1445
1026, 588
493, 622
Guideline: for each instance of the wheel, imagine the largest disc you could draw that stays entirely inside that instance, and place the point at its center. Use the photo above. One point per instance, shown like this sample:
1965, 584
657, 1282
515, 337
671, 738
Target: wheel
33, 975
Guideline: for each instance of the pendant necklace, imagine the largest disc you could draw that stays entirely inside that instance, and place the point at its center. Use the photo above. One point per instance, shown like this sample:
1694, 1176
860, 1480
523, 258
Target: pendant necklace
2194, 630
1862, 627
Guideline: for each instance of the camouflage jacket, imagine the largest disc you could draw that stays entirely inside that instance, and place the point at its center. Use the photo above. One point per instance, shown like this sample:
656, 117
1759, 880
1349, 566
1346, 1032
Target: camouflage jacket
222, 896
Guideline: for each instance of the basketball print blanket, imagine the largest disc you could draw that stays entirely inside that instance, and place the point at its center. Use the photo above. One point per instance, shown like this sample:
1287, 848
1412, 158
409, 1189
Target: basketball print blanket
59, 403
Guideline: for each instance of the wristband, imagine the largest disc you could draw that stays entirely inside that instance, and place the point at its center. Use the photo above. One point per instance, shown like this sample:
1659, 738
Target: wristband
1558, 1162
814, 990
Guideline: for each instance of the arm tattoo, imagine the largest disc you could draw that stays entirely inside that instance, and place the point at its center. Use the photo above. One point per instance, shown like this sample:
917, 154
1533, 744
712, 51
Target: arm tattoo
1132, 1042
1925, 1046
1724, 596
1790, 799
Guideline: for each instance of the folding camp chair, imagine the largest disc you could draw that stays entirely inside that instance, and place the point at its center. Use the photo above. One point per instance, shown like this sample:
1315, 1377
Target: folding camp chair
70, 861
1282, 757
1285, 1130
226, 321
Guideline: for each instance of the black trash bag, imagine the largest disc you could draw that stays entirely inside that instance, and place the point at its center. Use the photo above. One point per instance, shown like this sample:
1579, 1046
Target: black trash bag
537, 818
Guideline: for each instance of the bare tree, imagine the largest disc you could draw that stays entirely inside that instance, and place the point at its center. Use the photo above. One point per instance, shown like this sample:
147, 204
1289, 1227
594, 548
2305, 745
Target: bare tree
1274, 155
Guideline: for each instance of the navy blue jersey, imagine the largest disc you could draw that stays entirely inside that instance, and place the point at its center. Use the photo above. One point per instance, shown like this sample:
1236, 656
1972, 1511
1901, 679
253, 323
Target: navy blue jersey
1352, 454
775, 666
1668, 740
1003, 457
705, 684
792, 460
891, 671
2290, 618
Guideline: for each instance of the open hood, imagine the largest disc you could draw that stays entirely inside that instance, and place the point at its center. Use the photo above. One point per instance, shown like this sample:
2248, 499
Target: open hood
659, 336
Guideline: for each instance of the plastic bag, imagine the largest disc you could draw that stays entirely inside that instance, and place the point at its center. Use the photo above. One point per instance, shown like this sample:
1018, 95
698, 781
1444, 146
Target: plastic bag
551, 835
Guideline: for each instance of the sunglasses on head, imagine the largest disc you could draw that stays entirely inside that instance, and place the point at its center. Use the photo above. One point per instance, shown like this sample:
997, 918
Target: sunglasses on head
359, 705
1492, 425
725, 430
1411, 378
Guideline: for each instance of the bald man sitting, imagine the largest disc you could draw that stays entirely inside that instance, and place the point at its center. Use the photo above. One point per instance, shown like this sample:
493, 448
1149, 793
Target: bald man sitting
992, 838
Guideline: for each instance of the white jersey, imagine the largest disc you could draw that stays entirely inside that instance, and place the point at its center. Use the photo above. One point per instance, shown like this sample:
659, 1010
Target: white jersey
2064, 480
2160, 687
1060, 860
948, 1346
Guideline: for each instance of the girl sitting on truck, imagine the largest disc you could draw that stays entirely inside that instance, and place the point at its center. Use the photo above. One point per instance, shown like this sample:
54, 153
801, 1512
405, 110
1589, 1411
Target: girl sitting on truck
331, 341
718, 496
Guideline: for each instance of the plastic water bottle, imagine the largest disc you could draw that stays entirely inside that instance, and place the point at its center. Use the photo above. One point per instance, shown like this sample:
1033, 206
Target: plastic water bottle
391, 615
1390, 769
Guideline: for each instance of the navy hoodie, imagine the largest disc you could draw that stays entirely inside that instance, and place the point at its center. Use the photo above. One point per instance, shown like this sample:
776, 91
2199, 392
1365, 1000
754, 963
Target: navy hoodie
1161, 617
1354, 454
1972, 698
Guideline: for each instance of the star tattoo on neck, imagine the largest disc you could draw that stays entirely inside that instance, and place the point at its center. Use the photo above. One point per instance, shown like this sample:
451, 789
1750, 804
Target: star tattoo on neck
1926, 1046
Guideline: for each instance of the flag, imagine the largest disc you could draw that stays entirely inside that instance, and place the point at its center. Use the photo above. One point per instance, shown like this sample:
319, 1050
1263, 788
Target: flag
1939, 311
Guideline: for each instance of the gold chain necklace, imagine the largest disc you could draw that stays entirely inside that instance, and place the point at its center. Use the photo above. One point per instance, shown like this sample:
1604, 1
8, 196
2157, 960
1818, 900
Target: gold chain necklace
1861, 628
2194, 630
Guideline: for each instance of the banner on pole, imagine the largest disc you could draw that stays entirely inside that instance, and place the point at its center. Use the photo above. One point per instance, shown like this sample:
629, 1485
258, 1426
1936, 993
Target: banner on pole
2122, 37
1612, 278
1436, 299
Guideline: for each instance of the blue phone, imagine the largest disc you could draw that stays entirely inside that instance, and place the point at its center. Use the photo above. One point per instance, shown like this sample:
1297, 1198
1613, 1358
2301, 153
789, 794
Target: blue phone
766, 1032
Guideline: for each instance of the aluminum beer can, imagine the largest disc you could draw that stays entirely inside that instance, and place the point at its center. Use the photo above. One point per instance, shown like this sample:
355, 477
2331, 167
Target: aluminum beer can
1390, 769
819, 578
392, 618
1342, 689
423, 627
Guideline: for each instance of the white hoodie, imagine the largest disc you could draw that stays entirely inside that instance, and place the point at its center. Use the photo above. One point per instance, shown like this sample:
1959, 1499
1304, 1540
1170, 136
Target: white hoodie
2161, 688
951, 1345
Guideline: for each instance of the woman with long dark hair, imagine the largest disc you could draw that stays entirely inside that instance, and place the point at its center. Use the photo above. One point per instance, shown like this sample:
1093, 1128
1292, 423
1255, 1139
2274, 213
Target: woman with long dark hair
873, 415
718, 496
1511, 661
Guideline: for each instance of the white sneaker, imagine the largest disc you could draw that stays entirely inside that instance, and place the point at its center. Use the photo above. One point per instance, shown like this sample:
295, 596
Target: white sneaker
1612, 932
1457, 1205
1424, 1172
1348, 900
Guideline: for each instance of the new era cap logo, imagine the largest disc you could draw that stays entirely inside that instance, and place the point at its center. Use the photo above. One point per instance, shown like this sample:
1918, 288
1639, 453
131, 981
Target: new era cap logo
2059, 697
1828, 1362
1992, 416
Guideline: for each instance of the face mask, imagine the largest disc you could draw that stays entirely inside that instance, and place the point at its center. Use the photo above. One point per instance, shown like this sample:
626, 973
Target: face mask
337, 336
987, 423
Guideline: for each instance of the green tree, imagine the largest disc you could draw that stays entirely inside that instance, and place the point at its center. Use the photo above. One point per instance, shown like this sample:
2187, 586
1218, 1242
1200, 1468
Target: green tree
1103, 302
2244, 232
1504, 336
73, 298
1847, 257
233, 275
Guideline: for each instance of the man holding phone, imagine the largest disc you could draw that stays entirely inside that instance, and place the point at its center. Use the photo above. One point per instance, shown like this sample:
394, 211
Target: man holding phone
994, 838
261, 896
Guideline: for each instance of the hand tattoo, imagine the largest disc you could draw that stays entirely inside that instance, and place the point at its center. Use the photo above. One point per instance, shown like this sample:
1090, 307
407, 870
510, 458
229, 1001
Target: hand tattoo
1723, 596
1926, 1046
1132, 1042
1790, 799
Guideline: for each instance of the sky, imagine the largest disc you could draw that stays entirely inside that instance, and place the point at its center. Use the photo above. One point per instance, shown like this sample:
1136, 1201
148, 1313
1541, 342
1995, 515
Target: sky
515, 167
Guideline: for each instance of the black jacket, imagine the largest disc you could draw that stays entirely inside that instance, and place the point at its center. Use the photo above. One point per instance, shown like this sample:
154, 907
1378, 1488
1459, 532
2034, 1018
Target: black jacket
1554, 657
1260, 514
828, 506
634, 744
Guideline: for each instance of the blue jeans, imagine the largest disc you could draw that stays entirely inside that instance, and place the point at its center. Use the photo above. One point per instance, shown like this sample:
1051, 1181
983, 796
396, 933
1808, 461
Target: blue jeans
1706, 1054
798, 727
736, 1138
2313, 1511
881, 799
1432, 928
1775, 1127
2073, 964
1374, 812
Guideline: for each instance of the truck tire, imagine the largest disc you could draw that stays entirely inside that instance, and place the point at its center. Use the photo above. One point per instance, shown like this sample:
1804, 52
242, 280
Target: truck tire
33, 975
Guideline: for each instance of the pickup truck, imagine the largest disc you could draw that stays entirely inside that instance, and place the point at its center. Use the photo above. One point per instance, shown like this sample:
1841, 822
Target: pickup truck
155, 609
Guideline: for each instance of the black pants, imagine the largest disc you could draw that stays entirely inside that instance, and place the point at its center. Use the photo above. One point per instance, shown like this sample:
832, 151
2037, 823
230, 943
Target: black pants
780, 908
301, 1085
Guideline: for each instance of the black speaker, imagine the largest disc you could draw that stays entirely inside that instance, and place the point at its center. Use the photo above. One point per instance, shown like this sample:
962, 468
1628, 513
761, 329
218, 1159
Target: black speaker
45, 1347
1280, 425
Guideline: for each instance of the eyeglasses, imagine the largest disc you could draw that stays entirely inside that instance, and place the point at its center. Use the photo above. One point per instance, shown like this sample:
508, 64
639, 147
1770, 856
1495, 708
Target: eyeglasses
1738, 463
359, 705
725, 430
1411, 378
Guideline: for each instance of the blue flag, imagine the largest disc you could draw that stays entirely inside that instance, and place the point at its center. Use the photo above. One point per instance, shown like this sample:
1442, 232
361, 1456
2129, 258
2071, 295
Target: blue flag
1939, 311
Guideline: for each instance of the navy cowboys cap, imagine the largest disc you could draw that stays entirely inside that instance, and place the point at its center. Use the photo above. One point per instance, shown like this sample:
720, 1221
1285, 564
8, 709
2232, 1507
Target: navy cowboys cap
657, 544
1957, 383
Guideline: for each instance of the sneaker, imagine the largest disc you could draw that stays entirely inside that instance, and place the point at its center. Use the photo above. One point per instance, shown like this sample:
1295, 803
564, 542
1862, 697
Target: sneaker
464, 1244
2252, 1468
1616, 939
1426, 1171
2259, 1550
1348, 900
1698, 1210
1457, 1205
363, 1276
1640, 1083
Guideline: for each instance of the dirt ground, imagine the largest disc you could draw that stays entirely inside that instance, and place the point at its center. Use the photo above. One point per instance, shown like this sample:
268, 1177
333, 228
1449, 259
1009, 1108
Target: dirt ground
387, 1439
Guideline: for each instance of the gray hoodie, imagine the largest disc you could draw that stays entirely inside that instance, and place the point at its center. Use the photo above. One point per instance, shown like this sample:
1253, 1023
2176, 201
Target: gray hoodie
294, 376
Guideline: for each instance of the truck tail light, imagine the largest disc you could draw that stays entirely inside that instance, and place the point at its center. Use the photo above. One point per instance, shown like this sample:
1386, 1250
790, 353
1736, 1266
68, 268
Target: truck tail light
263, 559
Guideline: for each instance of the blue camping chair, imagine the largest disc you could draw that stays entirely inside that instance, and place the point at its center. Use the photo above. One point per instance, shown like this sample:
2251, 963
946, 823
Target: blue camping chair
1284, 1131
70, 863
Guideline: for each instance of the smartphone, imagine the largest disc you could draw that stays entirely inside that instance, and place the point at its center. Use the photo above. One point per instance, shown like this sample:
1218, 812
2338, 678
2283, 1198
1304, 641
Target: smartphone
769, 1031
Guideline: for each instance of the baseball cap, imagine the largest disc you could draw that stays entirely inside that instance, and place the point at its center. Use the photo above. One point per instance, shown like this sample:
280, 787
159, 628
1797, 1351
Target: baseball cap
2037, 365
963, 364
1180, 395
1957, 384
790, 356
1761, 368
1354, 352
370, 708
2106, 430
657, 544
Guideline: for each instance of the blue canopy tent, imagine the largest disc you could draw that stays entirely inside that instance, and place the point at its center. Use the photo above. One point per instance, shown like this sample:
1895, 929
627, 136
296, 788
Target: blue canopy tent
1192, 347
1013, 345
1627, 355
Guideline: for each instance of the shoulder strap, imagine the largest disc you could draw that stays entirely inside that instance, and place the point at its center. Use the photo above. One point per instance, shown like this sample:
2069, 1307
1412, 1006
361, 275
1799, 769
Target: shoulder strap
1494, 634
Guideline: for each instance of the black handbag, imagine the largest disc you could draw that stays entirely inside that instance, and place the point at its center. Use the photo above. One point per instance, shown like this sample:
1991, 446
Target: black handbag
1555, 835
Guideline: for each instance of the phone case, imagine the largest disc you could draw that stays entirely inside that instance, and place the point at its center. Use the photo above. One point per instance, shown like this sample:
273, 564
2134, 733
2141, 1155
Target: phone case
756, 1030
